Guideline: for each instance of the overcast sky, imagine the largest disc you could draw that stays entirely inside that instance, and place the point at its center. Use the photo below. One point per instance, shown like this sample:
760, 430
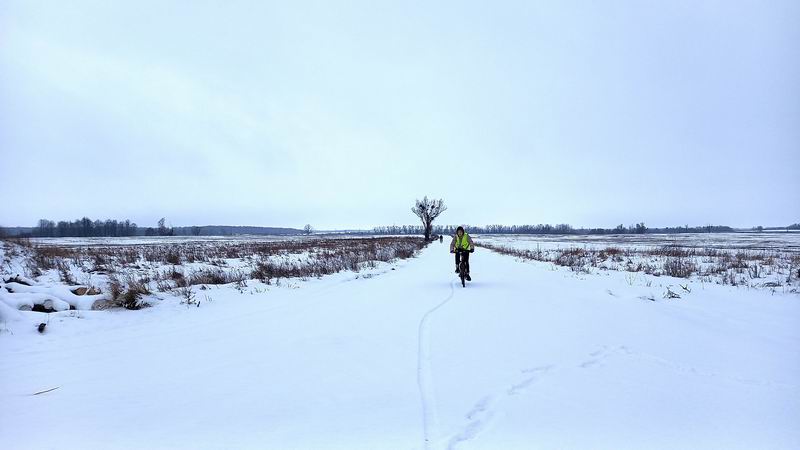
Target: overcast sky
340, 114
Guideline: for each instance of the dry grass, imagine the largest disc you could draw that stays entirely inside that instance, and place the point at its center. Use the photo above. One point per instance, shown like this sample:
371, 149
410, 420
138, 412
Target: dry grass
732, 266
679, 267
128, 293
208, 252
337, 256
134, 271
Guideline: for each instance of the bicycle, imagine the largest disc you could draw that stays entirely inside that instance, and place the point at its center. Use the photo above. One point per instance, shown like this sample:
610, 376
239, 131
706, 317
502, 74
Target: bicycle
462, 265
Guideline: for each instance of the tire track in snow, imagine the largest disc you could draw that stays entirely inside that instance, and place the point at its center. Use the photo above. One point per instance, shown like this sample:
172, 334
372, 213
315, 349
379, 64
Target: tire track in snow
427, 393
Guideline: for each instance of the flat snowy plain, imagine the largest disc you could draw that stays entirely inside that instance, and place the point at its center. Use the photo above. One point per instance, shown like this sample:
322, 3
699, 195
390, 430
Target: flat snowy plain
529, 356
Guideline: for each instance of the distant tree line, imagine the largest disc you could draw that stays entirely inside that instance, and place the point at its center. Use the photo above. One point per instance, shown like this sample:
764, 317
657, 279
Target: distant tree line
688, 229
795, 226
84, 227
87, 227
638, 228
227, 230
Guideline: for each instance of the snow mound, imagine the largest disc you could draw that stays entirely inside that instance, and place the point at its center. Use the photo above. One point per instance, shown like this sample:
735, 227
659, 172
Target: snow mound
20, 279
59, 298
7, 312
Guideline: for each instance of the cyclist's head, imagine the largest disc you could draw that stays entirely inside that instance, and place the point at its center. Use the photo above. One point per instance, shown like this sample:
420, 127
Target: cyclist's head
460, 231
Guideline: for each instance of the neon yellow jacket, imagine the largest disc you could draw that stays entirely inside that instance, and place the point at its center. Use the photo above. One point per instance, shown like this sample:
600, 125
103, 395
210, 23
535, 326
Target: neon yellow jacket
464, 243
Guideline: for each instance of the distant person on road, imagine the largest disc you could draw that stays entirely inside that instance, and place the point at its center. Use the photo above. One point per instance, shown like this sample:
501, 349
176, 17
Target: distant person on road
441, 238
462, 241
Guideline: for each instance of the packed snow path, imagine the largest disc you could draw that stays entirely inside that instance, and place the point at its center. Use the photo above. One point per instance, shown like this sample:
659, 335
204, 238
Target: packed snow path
527, 356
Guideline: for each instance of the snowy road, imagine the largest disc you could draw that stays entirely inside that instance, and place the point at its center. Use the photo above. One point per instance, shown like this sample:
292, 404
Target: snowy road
527, 356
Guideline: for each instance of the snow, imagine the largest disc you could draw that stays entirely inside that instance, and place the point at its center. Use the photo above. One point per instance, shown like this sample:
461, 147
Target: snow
777, 241
9, 313
529, 355
21, 302
20, 279
59, 298
25, 301
757, 260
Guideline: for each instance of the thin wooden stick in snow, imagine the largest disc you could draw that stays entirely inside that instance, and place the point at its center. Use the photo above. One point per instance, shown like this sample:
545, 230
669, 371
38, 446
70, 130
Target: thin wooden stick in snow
46, 391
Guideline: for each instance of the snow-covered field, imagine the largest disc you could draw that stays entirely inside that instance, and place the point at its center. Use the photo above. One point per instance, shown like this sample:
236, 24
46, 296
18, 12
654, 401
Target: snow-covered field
530, 355
775, 241
755, 260
125, 269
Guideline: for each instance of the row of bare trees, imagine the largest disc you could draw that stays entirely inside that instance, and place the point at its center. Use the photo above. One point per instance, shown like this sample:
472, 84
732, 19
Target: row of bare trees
87, 227
84, 227
429, 209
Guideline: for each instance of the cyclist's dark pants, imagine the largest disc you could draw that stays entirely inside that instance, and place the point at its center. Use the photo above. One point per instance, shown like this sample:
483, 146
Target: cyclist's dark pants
466, 258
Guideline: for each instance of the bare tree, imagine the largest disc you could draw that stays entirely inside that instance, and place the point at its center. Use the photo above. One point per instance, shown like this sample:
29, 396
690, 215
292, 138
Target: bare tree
427, 211
308, 228
163, 230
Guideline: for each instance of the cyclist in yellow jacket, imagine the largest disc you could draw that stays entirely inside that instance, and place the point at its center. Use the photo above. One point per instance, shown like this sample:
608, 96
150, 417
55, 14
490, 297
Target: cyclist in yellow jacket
462, 241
